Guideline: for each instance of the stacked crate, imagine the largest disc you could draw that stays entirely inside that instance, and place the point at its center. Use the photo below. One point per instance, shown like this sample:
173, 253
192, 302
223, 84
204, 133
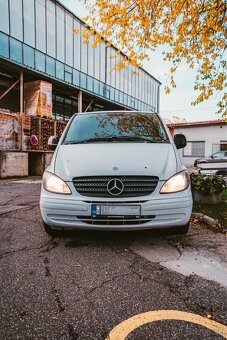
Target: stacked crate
60, 126
35, 130
38, 98
47, 130
9, 130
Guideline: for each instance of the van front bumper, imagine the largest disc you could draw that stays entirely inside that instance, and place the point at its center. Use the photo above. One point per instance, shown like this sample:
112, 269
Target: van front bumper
173, 210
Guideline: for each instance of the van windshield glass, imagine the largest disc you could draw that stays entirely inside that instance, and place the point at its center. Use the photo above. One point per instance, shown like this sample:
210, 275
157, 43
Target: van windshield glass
116, 127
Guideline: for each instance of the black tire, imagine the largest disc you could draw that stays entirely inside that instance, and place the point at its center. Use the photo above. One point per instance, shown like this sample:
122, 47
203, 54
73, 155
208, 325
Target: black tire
50, 231
182, 230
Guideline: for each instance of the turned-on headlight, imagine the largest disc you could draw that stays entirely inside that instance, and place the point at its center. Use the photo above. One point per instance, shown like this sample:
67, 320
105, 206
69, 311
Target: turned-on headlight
55, 184
176, 183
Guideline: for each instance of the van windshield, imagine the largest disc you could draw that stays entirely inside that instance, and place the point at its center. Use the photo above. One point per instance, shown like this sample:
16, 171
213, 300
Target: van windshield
116, 127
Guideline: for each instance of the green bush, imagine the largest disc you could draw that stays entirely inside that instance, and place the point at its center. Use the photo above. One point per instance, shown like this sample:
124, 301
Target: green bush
208, 184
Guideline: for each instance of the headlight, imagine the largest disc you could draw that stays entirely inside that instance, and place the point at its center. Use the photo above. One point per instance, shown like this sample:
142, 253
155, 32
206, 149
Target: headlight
176, 183
55, 184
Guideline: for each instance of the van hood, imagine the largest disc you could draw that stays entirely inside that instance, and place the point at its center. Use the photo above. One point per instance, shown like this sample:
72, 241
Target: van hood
113, 159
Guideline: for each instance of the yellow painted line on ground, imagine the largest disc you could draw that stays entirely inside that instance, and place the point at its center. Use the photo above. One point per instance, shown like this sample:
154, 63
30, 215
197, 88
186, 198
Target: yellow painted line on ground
121, 331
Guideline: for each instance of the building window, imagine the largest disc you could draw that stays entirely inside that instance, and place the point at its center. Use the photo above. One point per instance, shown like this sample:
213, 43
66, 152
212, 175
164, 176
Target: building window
194, 149
15, 50
84, 61
69, 40
40, 25
60, 34
29, 56
91, 54
116, 95
101, 89
76, 77
96, 86
68, 76
76, 45
4, 22
83, 80
89, 83
50, 66
108, 65
112, 94
63, 108
29, 22
51, 29
40, 61
103, 62
223, 145
16, 19
4, 45
59, 70
97, 62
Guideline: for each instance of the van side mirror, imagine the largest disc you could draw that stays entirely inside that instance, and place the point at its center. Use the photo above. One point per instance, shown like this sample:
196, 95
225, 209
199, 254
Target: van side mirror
52, 142
180, 141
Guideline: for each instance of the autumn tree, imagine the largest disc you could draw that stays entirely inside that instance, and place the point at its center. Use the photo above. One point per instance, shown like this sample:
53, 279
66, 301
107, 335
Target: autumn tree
192, 31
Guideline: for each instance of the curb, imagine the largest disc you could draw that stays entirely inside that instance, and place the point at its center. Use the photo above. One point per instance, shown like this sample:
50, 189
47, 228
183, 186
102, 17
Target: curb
31, 179
206, 219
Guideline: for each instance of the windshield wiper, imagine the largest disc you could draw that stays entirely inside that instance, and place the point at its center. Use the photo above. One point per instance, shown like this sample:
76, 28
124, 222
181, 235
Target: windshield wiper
114, 138
89, 140
135, 138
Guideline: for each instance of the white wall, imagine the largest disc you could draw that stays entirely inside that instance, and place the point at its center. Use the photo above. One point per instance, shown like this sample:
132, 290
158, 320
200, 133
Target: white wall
212, 135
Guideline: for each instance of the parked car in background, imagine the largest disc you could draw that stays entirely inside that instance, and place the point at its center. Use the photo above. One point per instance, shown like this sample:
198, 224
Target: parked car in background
215, 164
217, 157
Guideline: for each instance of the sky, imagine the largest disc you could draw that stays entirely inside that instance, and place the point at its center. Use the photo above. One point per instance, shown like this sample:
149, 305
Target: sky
178, 102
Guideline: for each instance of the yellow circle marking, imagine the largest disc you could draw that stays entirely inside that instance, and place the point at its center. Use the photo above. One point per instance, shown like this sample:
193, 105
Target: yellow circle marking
121, 331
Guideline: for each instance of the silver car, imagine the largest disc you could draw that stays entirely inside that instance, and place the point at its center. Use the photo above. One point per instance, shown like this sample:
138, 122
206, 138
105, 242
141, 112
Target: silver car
116, 171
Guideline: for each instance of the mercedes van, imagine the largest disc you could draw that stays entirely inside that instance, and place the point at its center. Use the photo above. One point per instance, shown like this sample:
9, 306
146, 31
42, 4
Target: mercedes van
116, 171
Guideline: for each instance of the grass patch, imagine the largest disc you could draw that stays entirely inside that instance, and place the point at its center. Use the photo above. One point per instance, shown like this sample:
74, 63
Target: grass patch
224, 195
216, 211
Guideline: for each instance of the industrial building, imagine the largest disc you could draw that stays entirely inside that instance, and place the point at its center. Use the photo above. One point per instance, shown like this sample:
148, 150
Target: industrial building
47, 73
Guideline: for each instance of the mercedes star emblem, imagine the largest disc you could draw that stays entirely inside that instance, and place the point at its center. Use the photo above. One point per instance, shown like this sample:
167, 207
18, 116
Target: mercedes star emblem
115, 187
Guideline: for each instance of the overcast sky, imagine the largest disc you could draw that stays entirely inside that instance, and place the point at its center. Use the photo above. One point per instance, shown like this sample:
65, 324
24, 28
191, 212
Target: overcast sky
178, 102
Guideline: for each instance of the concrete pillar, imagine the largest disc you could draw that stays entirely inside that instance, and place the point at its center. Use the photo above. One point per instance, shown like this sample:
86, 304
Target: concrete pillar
80, 101
21, 106
13, 164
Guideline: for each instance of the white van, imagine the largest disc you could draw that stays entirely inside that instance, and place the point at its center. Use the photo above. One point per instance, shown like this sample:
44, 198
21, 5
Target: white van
116, 171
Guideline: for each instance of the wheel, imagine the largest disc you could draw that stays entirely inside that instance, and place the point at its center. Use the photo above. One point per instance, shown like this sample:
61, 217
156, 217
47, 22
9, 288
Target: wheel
50, 231
182, 230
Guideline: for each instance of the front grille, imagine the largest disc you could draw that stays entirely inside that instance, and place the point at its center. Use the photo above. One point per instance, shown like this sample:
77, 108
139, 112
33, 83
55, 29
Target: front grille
134, 186
119, 220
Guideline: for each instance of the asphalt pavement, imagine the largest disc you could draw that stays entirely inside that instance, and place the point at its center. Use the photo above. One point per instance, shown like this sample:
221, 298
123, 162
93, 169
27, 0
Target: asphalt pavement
106, 285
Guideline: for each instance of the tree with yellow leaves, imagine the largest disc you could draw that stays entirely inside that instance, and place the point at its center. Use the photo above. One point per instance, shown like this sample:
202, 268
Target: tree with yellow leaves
192, 31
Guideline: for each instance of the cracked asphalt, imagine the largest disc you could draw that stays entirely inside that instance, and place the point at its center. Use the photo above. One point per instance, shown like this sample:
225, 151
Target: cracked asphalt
81, 284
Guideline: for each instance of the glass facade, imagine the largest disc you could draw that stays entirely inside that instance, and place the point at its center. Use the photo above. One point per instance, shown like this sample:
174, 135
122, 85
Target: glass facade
60, 33
16, 29
29, 22
69, 40
4, 45
4, 10
40, 34
40, 11
51, 29
63, 108
29, 56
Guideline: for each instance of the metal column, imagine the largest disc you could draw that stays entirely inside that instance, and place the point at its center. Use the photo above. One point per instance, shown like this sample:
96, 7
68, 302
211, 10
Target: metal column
80, 101
21, 105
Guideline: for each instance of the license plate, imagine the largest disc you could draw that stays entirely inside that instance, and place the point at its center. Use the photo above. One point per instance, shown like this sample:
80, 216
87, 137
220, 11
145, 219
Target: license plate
115, 210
